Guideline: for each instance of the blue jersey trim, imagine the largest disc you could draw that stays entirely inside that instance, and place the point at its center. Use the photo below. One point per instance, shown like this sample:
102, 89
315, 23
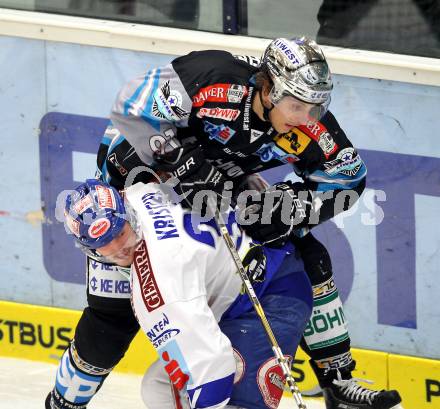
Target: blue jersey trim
212, 393
130, 101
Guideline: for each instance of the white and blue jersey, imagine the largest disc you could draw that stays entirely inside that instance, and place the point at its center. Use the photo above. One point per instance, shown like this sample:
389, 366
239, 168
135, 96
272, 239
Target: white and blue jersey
188, 298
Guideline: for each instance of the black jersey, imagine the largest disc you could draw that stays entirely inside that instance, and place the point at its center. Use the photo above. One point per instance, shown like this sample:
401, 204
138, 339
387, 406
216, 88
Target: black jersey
206, 97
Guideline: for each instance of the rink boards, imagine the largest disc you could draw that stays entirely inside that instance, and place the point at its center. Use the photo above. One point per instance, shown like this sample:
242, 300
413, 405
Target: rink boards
42, 333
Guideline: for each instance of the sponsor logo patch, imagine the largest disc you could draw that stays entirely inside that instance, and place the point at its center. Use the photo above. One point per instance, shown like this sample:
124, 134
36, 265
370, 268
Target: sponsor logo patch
220, 113
175, 364
327, 316
106, 281
236, 93
335, 362
318, 132
270, 380
287, 51
72, 224
84, 204
150, 291
99, 227
113, 160
270, 151
220, 133
293, 142
105, 197
327, 144
161, 332
324, 289
220, 93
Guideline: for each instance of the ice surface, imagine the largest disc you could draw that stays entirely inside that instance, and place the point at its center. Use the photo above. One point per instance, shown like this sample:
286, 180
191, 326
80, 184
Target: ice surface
24, 384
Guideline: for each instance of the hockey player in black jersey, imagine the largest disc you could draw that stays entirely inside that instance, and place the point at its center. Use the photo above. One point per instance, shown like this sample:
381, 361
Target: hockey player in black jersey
210, 117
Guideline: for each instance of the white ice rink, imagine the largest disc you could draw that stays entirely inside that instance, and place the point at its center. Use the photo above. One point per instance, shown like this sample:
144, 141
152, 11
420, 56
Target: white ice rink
24, 385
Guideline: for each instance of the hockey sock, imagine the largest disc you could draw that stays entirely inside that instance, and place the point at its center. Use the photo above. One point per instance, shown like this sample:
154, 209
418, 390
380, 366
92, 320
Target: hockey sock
76, 382
326, 337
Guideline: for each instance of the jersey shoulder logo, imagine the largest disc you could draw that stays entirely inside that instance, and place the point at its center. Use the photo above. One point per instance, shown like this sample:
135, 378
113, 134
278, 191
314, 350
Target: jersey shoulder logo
167, 104
347, 163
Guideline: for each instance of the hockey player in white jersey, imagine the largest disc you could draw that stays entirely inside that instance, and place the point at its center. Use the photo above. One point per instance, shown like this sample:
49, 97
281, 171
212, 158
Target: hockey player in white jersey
188, 299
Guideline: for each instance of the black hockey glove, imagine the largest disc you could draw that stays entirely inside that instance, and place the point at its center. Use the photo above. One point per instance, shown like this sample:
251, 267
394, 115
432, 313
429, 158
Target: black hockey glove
274, 214
194, 173
255, 264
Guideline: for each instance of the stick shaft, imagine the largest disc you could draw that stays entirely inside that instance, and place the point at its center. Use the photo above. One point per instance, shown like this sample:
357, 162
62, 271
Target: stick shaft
282, 361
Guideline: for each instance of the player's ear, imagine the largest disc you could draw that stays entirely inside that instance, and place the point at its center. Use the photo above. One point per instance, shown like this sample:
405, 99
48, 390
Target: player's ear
267, 86
265, 91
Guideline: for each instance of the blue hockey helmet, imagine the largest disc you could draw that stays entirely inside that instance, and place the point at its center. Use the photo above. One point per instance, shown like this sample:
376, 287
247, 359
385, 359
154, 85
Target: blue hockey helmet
95, 214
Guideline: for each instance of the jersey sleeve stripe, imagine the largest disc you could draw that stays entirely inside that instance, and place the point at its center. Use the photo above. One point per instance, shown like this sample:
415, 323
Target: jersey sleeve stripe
131, 102
142, 97
326, 183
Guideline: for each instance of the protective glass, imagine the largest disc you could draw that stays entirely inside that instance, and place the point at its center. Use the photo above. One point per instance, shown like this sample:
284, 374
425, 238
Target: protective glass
295, 109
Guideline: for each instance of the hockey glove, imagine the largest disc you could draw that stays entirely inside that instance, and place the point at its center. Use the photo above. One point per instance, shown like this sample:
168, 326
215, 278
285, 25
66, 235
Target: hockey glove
276, 213
196, 177
255, 264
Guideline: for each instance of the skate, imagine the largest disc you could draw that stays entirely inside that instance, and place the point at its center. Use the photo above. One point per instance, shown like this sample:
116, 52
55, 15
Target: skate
341, 391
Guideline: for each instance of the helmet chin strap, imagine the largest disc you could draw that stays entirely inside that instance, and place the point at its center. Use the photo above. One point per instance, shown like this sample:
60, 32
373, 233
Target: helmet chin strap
266, 111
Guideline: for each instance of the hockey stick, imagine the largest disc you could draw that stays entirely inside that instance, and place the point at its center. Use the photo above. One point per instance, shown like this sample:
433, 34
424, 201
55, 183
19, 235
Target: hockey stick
282, 361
